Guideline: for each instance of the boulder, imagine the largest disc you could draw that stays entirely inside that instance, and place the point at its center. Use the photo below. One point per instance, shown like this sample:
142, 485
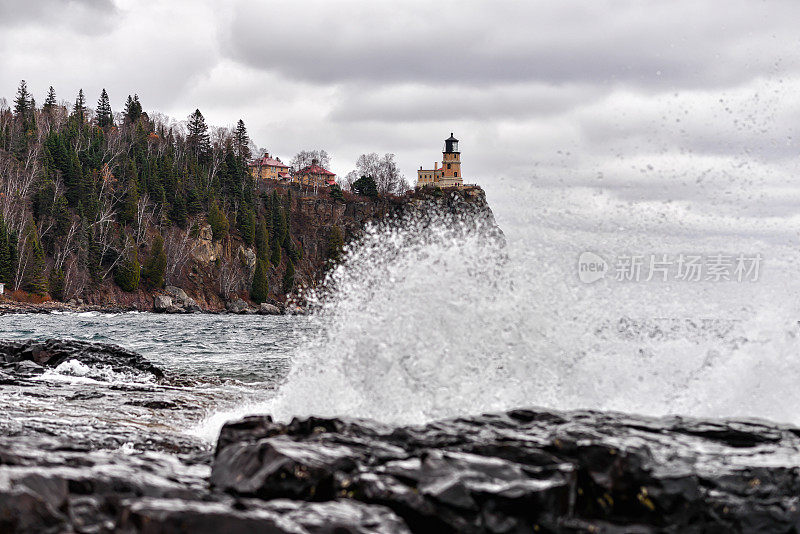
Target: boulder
177, 293
190, 306
162, 303
30, 356
182, 302
250, 515
527, 470
237, 305
28, 367
268, 309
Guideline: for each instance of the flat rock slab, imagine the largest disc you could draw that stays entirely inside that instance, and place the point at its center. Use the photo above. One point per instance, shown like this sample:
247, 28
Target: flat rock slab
528, 470
53, 352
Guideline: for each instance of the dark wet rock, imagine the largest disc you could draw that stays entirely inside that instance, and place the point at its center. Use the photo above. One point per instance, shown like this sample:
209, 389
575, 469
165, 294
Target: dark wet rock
182, 302
86, 395
162, 303
268, 309
156, 404
237, 306
52, 353
528, 469
28, 368
245, 516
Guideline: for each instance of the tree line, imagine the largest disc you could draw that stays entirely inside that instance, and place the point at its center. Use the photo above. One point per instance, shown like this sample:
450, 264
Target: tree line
83, 192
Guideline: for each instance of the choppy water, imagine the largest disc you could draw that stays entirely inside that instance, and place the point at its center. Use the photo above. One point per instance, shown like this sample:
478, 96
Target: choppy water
424, 322
250, 348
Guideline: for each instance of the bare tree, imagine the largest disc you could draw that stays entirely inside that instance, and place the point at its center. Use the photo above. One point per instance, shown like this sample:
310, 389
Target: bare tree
346, 182
304, 158
145, 213
75, 278
385, 172
231, 276
178, 247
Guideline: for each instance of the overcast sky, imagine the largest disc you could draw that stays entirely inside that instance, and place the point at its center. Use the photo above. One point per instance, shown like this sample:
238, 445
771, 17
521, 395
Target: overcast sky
677, 101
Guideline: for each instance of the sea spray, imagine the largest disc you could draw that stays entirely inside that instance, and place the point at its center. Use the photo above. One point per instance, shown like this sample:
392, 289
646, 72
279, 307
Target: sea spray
423, 320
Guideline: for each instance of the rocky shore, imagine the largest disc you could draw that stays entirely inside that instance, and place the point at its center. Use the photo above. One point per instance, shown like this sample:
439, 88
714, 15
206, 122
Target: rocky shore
172, 300
526, 470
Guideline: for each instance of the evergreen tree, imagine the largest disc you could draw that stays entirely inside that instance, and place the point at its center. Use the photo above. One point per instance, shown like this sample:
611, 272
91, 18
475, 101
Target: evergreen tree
275, 253
262, 241
133, 109
247, 225
56, 284
242, 141
218, 221
198, 139
22, 102
6, 254
365, 186
260, 288
33, 278
50, 102
79, 110
335, 243
128, 272
128, 211
24, 108
336, 193
156, 265
104, 116
288, 278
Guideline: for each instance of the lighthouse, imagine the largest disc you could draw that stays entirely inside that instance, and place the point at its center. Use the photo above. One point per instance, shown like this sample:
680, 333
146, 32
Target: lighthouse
451, 163
449, 175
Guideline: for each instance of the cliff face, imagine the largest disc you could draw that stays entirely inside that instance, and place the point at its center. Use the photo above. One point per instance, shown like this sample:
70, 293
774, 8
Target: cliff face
215, 272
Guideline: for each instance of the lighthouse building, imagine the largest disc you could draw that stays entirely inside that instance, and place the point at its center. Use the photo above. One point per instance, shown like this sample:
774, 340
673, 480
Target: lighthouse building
449, 174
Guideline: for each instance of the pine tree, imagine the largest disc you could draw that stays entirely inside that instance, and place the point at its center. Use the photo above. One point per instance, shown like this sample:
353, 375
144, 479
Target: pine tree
262, 241
247, 225
242, 141
128, 211
128, 272
156, 265
133, 109
50, 102
275, 253
288, 278
33, 279
22, 102
365, 186
104, 116
6, 257
56, 284
198, 138
79, 110
335, 243
260, 288
218, 221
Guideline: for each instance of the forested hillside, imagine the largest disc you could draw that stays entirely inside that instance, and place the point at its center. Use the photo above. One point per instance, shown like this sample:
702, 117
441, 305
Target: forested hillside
109, 208
90, 197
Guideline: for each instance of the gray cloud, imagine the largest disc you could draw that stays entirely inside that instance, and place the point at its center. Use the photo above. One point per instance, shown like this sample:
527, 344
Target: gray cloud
659, 45
84, 16
684, 102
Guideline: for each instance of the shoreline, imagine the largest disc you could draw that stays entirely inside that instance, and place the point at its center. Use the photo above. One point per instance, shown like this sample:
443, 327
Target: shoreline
18, 308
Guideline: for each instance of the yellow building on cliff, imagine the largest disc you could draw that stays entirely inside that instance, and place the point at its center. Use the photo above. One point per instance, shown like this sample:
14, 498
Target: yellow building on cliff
449, 175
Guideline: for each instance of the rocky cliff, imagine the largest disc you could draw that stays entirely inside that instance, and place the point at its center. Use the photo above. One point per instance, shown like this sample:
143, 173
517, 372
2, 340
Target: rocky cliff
215, 275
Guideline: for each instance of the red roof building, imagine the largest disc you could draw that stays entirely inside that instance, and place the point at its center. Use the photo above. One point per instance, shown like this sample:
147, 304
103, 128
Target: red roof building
268, 168
314, 175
